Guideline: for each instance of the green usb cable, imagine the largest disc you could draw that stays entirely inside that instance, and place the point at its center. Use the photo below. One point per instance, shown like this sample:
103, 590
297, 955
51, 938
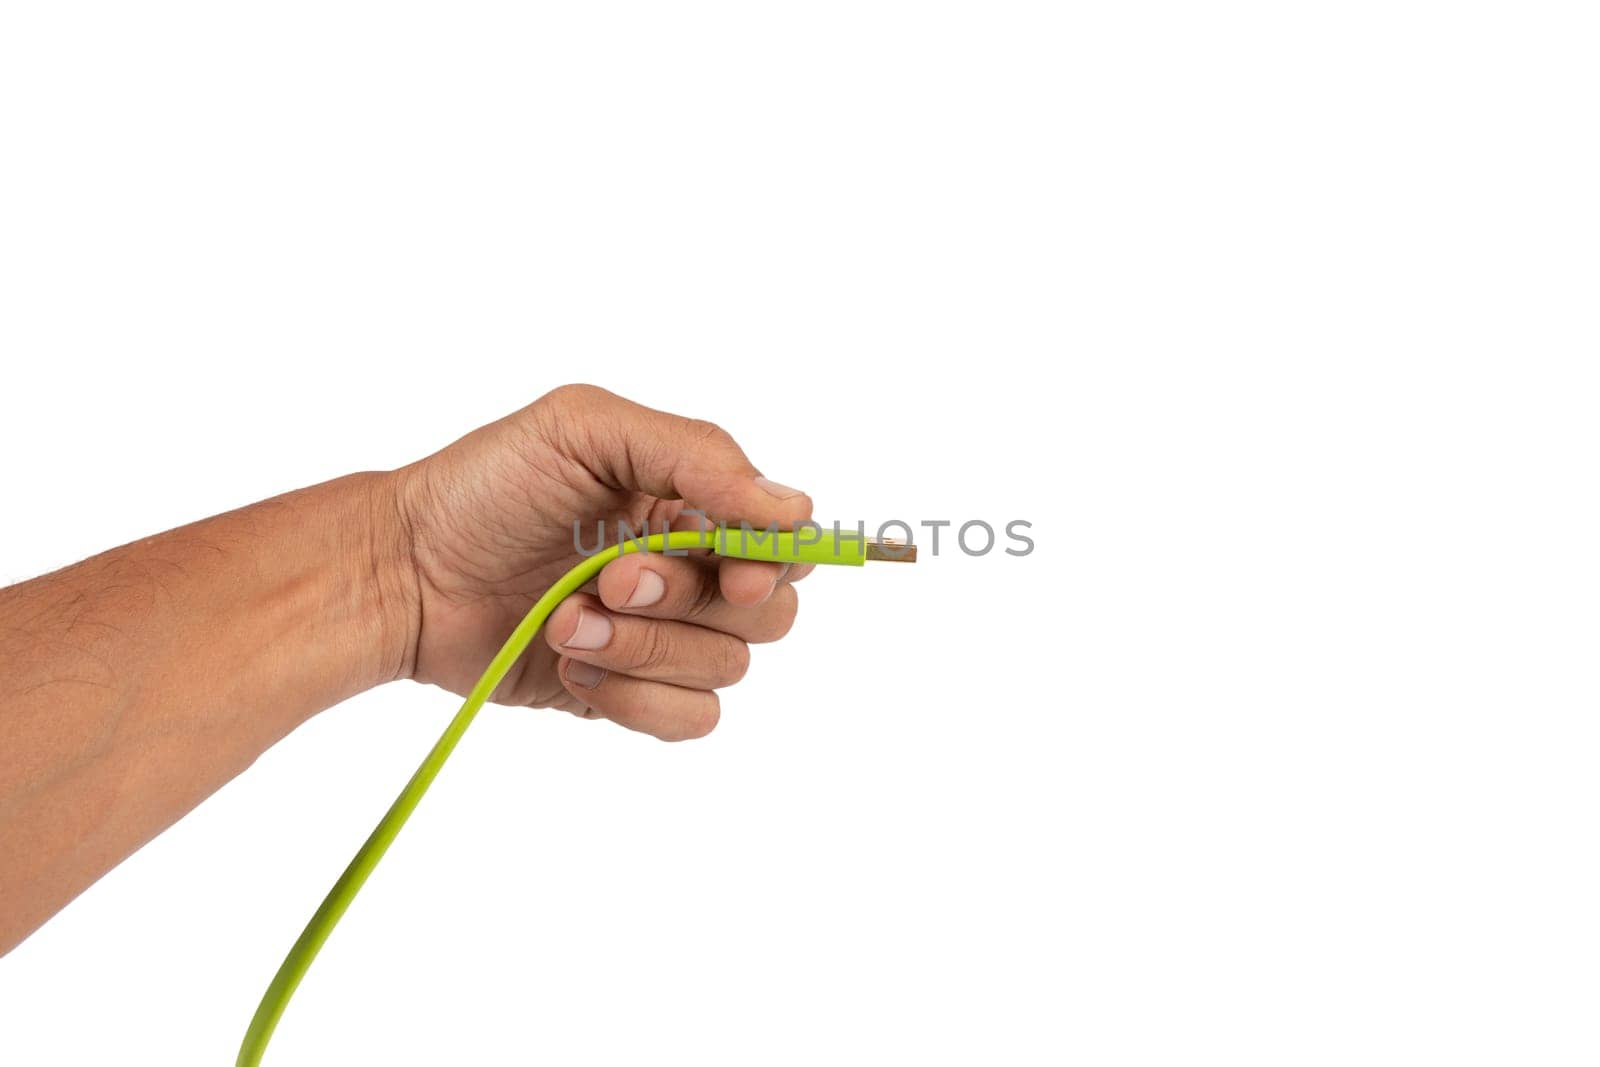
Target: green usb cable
809, 544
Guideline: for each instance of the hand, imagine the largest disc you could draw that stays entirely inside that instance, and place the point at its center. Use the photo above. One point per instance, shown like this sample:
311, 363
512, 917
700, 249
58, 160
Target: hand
490, 528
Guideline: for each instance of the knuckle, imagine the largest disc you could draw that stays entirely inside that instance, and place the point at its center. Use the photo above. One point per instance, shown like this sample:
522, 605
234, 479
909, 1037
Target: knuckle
707, 433
779, 617
562, 417
567, 415
695, 723
652, 649
646, 706
576, 395
734, 661
702, 598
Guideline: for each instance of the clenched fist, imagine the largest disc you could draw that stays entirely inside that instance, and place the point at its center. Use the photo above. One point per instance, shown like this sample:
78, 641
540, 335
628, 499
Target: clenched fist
489, 522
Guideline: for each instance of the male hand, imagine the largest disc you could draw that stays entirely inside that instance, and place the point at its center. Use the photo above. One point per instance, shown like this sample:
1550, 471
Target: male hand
489, 523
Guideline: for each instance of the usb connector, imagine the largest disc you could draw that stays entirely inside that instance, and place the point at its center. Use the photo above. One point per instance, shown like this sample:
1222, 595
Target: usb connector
809, 544
891, 551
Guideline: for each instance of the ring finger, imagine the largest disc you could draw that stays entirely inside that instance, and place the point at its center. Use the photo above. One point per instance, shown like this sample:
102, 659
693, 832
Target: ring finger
670, 712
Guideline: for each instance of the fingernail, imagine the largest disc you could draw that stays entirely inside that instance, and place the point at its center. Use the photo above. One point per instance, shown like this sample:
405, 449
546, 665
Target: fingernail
778, 489
650, 588
593, 631
584, 675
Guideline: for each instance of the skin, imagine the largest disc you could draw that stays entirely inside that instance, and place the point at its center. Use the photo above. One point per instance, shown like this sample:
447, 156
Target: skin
135, 683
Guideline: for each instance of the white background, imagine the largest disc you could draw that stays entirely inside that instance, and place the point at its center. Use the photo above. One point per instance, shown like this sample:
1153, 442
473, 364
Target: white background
1278, 321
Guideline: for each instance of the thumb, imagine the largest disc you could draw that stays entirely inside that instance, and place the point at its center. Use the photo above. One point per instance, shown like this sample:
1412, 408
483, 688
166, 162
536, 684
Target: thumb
630, 446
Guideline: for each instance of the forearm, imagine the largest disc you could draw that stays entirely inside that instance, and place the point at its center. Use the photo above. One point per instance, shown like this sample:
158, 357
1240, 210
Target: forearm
134, 684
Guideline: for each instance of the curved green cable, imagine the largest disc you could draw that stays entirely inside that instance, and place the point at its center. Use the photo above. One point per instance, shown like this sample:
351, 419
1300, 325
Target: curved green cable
333, 907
